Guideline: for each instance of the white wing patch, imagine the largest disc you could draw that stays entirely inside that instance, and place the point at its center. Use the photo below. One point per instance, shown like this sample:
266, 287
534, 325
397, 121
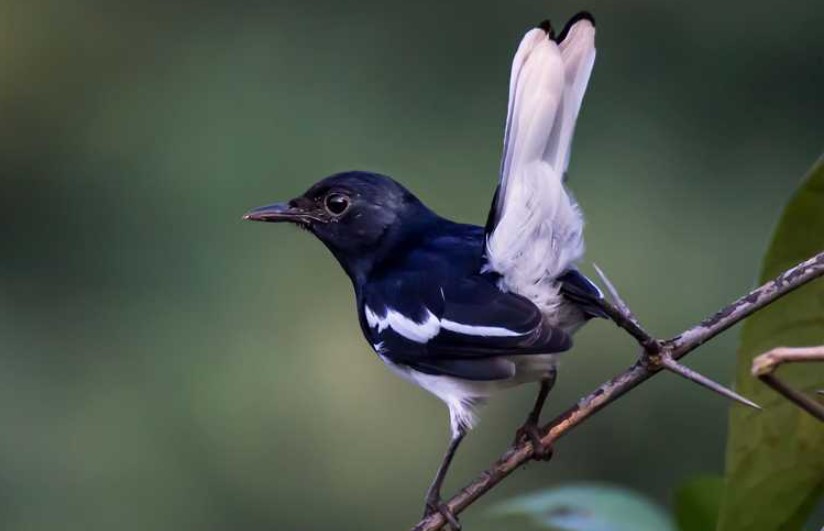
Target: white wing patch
422, 332
473, 330
539, 229
419, 332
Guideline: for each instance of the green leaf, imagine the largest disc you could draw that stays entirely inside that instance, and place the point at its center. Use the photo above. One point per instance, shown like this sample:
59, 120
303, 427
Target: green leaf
588, 507
775, 458
697, 503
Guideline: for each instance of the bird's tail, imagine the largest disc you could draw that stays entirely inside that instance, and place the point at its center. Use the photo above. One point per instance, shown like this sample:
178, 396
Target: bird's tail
534, 232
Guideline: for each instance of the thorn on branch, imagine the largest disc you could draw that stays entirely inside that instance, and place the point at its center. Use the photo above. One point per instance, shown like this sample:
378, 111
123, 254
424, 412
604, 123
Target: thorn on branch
668, 363
656, 355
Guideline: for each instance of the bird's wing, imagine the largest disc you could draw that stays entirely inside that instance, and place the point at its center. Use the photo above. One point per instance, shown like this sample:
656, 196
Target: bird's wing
460, 329
534, 228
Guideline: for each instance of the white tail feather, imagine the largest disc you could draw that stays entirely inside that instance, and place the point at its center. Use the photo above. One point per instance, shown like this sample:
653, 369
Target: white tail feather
538, 230
578, 54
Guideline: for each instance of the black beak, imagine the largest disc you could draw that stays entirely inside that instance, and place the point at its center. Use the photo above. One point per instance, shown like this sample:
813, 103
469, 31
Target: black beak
279, 212
272, 213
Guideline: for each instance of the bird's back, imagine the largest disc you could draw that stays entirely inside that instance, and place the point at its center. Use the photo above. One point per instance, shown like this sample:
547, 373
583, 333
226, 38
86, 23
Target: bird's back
412, 276
443, 250
436, 319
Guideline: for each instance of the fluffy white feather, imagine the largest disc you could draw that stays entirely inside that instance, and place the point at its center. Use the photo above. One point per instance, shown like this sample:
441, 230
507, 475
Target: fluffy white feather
539, 229
465, 397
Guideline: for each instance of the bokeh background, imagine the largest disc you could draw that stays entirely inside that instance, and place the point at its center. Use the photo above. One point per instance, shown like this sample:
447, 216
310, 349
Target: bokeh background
165, 366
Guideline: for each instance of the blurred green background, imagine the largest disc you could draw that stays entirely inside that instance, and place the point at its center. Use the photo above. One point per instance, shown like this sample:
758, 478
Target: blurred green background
165, 366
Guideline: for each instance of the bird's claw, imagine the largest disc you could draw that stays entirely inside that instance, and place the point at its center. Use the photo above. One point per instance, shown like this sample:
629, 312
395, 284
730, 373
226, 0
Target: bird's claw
435, 505
530, 432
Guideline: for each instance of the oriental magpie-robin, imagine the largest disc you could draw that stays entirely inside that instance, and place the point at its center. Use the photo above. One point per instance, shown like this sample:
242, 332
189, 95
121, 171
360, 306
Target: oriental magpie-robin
464, 310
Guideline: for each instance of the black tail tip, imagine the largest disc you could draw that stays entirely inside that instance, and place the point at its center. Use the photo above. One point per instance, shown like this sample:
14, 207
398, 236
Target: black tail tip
546, 25
578, 17
581, 15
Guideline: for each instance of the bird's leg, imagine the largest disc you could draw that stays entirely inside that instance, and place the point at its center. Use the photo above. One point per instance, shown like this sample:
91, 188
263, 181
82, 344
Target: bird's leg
529, 430
433, 495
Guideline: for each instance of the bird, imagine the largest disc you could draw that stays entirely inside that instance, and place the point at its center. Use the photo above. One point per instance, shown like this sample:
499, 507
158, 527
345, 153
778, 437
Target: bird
463, 310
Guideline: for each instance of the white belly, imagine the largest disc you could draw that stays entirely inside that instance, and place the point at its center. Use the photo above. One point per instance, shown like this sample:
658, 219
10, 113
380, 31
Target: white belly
464, 397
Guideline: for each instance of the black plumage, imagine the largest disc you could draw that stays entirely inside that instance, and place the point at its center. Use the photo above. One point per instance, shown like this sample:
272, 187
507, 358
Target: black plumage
463, 310
404, 258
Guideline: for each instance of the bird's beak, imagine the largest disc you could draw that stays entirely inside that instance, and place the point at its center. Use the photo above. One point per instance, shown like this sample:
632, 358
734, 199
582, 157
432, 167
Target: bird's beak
275, 213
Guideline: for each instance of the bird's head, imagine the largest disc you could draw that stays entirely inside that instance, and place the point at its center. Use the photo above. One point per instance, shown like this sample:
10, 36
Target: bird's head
358, 215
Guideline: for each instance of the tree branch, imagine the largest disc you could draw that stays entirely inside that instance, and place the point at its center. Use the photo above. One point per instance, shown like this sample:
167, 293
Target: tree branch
765, 365
649, 363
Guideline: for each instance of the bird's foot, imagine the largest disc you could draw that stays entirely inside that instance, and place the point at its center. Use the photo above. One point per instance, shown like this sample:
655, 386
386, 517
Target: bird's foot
530, 432
435, 505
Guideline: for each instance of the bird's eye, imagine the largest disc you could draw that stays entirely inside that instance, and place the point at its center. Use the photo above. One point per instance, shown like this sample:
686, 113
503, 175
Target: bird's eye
336, 204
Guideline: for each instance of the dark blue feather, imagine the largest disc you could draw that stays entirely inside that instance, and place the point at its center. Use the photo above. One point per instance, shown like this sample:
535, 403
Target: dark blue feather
423, 300
436, 275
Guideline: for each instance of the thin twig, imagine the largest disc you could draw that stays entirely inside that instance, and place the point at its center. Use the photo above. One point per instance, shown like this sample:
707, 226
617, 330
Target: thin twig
622, 316
622, 306
765, 365
770, 361
639, 372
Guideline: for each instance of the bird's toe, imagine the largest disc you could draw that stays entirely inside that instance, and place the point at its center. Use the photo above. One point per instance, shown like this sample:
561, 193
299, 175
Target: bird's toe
435, 505
530, 432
